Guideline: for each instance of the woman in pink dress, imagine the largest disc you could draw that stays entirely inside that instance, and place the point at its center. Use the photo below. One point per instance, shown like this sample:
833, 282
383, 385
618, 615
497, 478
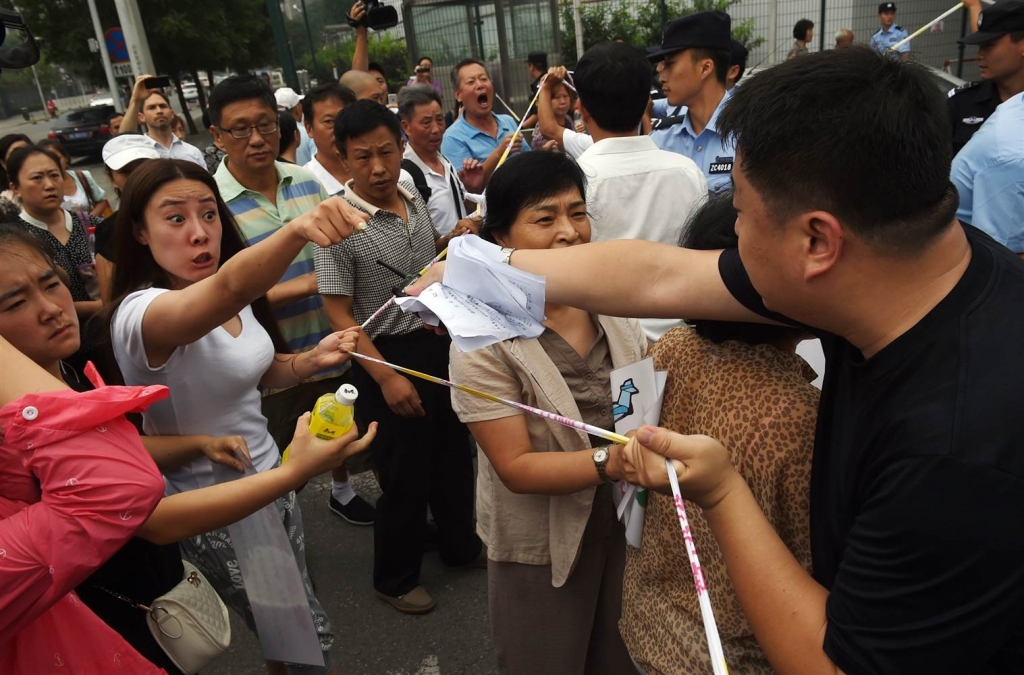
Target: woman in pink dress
69, 500
75, 485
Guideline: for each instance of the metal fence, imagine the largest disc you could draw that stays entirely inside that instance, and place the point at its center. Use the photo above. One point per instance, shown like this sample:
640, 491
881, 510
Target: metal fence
498, 32
502, 32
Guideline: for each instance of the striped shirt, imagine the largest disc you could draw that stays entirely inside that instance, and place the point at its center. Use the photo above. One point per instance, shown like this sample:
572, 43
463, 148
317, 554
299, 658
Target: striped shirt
351, 268
303, 322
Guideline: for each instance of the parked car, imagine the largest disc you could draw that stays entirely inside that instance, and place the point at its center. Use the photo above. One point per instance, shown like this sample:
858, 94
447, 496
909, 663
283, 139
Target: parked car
103, 99
190, 91
83, 131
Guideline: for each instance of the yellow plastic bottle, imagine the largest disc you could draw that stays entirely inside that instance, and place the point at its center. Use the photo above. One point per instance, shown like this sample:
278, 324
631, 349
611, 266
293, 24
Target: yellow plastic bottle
332, 415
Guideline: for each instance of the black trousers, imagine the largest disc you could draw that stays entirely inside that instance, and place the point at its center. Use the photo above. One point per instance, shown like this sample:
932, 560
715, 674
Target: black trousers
421, 462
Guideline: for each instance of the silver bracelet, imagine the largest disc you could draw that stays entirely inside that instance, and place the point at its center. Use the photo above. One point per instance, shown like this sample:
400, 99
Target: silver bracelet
507, 257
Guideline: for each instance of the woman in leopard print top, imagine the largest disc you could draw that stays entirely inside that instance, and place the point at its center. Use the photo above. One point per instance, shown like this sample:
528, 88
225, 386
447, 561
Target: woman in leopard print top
744, 385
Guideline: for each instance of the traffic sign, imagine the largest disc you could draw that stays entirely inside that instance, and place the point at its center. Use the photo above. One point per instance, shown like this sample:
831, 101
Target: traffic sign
117, 47
122, 69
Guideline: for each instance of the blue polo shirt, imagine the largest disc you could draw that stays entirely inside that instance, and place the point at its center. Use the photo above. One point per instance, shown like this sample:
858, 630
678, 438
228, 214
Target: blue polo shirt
883, 39
462, 140
989, 175
713, 154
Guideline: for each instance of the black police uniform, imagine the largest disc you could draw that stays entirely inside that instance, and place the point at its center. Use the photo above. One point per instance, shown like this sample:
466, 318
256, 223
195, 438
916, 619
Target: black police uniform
969, 106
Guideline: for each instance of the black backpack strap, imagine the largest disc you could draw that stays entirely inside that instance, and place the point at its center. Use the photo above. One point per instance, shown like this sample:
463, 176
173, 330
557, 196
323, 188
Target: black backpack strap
418, 179
670, 121
458, 194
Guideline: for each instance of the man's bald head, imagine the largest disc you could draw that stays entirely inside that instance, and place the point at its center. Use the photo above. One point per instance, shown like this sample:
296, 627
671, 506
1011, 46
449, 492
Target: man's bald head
363, 85
844, 38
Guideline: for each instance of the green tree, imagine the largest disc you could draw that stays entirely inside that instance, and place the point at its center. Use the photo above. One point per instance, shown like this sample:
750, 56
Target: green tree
232, 34
63, 29
639, 23
390, 52
184, 36
320, 13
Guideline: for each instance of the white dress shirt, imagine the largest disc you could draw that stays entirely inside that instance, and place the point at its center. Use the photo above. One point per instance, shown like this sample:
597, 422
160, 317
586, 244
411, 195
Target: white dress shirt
333, 185
575, 143
330, 183
445, 210
179, 150
637, 191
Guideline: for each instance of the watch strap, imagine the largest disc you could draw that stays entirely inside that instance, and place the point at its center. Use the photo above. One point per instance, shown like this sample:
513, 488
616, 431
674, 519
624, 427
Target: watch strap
506, 255
602, 467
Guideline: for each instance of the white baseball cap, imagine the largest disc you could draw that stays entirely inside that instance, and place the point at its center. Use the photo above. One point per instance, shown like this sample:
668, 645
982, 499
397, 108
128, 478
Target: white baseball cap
287, 98
125, 148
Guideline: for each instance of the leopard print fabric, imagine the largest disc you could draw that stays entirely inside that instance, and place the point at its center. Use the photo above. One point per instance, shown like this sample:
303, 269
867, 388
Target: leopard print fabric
758, 401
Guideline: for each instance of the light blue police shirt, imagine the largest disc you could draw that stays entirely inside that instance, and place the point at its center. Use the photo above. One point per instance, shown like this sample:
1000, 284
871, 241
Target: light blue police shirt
883, 39
989, 175
462, 140
708, 149
306, 149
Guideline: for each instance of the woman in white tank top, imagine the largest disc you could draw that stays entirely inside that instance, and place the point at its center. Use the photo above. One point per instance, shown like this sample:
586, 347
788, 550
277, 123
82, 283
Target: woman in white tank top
190, 312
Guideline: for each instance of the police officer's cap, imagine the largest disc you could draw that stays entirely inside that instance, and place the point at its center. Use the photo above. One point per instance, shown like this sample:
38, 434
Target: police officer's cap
886, 7
1006, 16
707, 30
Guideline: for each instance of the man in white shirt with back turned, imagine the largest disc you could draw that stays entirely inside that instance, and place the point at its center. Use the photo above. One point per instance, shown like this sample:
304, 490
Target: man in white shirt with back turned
634, 189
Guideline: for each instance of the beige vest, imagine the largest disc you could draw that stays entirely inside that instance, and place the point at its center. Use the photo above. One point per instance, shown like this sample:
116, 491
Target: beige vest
541, 529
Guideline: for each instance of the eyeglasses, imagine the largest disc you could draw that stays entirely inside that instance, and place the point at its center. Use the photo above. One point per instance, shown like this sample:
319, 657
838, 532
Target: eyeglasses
265, 129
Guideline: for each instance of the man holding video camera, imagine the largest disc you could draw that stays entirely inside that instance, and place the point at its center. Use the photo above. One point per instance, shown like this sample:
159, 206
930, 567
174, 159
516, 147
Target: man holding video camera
151, 106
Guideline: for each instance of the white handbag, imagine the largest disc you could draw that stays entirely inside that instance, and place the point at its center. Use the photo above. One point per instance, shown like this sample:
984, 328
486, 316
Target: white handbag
189, 622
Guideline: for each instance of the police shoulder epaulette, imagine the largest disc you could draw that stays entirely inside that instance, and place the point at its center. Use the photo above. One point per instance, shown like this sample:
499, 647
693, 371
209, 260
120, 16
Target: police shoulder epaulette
964, 87
898, 27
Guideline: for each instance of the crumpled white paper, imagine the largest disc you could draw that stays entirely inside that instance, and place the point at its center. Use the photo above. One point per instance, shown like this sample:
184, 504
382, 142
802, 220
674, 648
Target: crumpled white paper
481, 300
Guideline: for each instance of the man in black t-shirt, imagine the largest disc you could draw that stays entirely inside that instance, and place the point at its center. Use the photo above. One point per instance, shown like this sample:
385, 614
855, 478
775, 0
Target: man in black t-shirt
917, 489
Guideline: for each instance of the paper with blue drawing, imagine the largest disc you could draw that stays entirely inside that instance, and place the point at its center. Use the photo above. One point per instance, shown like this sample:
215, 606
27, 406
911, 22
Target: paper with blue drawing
637, 391
481, 301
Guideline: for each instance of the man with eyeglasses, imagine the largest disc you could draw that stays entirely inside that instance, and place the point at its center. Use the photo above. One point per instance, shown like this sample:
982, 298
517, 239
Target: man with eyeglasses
264, 195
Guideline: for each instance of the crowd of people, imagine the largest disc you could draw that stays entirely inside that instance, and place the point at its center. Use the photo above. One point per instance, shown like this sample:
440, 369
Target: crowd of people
866, 527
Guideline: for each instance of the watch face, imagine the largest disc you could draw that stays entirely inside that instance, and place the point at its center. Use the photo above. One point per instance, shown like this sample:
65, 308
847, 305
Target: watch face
601, 455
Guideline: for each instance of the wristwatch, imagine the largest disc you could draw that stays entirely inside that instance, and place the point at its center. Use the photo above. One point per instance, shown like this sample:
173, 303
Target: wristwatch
601, 463
506, 255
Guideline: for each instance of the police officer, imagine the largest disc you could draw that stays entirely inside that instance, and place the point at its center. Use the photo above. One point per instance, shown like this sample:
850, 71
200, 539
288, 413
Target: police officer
889, 34
1000, 40
737, 64
693, 65
989, 176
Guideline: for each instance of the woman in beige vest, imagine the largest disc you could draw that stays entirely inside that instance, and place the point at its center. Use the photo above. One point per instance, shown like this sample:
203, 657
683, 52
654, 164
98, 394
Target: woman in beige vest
556, 551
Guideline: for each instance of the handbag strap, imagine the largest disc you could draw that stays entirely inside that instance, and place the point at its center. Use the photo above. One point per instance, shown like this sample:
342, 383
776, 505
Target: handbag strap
123, 598
86, 187
457, 196
190, 577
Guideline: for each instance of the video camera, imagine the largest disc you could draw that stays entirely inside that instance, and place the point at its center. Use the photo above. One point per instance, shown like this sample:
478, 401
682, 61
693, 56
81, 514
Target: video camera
18, 49
378, 16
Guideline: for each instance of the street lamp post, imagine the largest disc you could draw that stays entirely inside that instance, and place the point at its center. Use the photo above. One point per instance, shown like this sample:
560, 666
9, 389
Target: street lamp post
107, 68
309, 36
42, 99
